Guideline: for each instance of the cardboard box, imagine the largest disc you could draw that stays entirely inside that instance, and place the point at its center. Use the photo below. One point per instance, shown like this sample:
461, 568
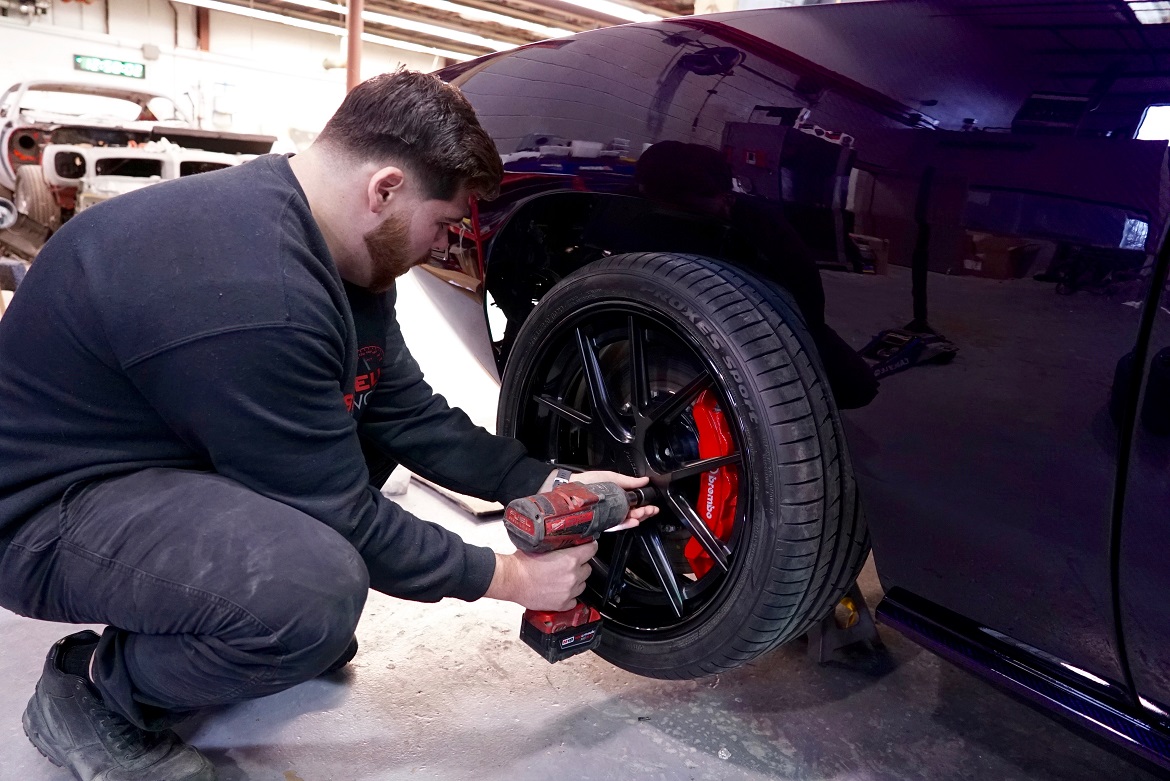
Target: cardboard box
875, 252
993, 256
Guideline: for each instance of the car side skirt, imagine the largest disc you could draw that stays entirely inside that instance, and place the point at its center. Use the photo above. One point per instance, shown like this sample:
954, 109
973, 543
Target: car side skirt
1099, 708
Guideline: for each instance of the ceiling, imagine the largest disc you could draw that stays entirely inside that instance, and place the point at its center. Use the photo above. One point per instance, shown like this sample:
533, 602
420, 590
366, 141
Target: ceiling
1085, 47
1098, 47
540, 19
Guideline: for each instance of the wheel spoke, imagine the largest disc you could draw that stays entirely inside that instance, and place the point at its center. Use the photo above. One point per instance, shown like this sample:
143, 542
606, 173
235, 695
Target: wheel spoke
564, 410
675, 404
617, 565
699, 530
652, 542
704, 465
639, 374
599, 393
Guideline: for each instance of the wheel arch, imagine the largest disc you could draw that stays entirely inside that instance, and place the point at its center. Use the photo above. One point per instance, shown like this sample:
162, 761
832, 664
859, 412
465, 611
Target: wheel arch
548, 236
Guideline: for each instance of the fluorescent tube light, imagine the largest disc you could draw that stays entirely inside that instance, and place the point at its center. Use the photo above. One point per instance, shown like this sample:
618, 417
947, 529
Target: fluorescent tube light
417, 47
1084, 674
320, 27
1150, 11
1155, 124
410, 24
616, 10
1151, 706
480, 15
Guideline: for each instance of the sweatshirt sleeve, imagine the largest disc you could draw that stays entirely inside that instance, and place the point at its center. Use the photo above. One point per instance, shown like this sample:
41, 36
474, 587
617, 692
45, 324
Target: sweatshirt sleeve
264, 406
409, 422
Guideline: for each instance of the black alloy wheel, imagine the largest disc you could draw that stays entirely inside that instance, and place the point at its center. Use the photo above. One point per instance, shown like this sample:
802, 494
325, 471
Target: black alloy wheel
696, 375
645, 426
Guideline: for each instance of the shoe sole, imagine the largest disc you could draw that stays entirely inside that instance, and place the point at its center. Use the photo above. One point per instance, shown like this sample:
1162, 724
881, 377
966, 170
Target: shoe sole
34, 737
343, 661
38, 743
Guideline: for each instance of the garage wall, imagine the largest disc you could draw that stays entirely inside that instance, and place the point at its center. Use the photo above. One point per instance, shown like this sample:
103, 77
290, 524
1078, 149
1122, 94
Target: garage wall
258, 77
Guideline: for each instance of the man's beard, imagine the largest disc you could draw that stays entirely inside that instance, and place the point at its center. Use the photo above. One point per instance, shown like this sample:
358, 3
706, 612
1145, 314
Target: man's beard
387, 245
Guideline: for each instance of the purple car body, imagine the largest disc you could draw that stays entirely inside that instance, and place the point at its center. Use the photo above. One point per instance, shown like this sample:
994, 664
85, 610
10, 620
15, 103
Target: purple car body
978, 163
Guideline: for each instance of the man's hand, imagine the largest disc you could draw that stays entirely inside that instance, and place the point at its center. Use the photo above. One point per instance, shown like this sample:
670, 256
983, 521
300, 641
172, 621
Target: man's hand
552, 581
542, 581
635, 516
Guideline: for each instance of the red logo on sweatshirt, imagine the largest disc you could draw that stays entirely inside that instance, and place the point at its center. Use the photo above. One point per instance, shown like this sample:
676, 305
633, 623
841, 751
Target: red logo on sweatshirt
369, 372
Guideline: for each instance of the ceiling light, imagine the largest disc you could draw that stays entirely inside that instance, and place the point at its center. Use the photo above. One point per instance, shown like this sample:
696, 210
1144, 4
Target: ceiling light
410, 24
1151, 706
480, 15
1150, 11
1155, 124
1085, 674
320, 27
417, 47
616, 10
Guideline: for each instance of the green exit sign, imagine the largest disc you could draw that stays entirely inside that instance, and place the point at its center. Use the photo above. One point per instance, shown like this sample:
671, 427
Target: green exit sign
131, 70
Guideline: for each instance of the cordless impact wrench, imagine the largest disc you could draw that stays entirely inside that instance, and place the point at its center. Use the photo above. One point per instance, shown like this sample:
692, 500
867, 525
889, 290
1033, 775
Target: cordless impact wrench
570, 514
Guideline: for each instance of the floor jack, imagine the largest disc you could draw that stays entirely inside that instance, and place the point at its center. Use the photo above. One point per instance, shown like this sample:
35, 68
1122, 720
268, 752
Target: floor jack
898, 349
849, 623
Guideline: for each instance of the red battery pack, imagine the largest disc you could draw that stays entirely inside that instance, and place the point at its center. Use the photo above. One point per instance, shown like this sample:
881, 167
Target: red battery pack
557, 636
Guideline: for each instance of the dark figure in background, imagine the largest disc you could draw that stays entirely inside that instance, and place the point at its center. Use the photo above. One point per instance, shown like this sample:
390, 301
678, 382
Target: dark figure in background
696, 179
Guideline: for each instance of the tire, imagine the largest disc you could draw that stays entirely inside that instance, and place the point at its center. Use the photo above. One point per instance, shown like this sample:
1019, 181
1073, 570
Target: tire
34, 198
8, 214
798, 538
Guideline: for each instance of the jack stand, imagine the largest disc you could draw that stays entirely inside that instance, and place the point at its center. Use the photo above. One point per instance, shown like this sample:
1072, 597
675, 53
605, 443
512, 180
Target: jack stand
827, 635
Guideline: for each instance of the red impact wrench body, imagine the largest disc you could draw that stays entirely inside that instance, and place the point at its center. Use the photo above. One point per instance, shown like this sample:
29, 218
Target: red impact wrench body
570, 514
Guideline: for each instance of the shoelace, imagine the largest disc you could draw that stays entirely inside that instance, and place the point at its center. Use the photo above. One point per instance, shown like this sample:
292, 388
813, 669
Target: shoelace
123, 734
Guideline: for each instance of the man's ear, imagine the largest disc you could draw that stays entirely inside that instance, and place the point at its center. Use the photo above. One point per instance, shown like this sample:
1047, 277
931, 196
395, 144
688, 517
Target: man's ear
384, 185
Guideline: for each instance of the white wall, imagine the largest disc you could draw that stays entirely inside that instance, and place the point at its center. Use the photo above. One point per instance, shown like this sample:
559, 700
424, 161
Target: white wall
716, 6
261, 76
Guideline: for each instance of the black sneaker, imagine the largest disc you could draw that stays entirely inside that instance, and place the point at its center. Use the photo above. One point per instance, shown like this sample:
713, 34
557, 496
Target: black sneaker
68, 723
346, 657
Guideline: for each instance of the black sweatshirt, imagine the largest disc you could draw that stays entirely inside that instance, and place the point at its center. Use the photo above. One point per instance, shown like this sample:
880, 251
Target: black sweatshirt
201, 324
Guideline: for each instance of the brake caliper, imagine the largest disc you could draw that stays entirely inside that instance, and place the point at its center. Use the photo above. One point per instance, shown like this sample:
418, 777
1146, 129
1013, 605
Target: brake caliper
719, 488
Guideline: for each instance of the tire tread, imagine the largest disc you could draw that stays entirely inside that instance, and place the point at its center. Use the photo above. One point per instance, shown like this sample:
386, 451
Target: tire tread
820, 539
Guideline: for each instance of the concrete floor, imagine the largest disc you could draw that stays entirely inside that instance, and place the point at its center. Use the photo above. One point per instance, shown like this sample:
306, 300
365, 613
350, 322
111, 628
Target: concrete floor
448, 692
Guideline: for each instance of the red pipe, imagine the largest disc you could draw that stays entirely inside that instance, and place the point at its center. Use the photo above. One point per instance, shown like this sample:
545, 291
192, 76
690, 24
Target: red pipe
353, 55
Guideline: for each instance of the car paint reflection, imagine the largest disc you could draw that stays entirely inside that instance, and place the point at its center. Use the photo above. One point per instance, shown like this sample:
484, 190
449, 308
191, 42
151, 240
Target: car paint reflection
957, 172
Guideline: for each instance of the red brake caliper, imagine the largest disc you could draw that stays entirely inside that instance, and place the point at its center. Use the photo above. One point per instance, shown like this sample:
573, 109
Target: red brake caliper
719, 488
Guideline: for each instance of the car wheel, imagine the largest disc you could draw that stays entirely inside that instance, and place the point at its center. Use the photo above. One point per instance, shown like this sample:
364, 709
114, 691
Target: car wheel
8, 214
703, 378
34, 198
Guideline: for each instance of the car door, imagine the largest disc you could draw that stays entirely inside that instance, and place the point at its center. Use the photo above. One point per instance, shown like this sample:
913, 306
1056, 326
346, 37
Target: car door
1144, 572
989, 480
1015, 228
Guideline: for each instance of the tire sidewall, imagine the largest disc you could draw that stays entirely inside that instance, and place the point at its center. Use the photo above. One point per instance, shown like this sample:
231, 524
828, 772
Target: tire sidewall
40, 205
732, 609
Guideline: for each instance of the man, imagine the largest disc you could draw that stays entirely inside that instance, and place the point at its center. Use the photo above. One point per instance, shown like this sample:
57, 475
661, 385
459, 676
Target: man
201, 386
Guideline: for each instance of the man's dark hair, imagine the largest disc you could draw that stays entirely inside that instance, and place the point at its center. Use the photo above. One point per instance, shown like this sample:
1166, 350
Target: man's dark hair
422, 123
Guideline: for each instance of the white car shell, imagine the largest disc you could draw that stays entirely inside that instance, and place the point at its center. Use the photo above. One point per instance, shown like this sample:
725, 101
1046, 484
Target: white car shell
15, 115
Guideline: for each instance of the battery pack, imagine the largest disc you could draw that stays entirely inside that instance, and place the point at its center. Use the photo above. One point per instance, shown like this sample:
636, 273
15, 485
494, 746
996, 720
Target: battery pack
557, 636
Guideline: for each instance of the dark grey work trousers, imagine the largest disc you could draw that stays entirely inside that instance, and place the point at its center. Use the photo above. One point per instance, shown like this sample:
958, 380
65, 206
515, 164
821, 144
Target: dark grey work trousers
212, 593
